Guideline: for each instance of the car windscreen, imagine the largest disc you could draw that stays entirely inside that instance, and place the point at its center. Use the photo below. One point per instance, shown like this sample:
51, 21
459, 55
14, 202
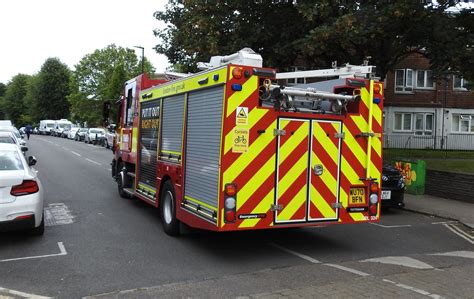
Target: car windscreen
15, 132
65, 126
50, 125
6, 139
10, 160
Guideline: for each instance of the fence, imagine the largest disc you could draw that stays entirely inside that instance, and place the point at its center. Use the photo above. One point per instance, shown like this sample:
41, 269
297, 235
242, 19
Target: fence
460, 142
453, 146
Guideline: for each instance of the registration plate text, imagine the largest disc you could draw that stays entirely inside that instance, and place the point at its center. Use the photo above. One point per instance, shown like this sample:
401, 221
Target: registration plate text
357, 196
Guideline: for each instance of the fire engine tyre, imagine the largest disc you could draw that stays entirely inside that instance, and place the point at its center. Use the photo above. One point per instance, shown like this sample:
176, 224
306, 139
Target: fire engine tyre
168, 210
121, 177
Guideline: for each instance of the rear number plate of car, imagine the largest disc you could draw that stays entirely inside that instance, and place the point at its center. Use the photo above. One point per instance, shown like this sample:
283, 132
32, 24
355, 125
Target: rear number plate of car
386, 194
357, 196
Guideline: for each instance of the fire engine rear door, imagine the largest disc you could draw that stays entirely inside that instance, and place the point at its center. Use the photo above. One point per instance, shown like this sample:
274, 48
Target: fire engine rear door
292, 170
308, 158
325, 170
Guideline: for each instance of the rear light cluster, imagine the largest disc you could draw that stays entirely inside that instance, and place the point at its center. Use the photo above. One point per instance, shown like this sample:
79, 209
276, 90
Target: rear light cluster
27, 187
230, 202
373, 198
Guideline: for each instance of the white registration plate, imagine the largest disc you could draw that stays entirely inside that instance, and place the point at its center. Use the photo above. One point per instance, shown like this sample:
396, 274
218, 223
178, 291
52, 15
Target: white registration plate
386, 194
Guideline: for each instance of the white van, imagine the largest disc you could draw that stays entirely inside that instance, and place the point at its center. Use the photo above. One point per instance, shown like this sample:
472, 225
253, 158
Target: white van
60, 126
46, 126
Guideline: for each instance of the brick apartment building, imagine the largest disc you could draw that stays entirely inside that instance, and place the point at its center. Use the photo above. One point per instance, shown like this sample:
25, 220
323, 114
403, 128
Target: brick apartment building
425, 112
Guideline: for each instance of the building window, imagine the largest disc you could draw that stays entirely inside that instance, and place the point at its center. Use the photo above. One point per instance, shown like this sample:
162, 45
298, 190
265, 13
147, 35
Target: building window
423, 123
404, 81
424, 79
459, 83
403, 122
462, 123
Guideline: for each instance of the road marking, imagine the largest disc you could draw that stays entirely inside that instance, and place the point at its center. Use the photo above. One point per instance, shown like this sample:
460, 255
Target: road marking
444, 222
62, 251
65, 148
390, 226
92, 161
21, 294
461, 253
347, 269
56, 144
77, 154
416, 290
57, 214
460, 233
400, 261
305, 257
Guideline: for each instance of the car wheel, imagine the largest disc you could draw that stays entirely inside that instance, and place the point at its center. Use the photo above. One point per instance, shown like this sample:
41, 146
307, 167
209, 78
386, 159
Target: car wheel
168, 210
39, 231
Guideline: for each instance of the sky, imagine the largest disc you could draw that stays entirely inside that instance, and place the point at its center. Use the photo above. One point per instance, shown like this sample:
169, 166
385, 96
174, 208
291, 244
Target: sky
32, 31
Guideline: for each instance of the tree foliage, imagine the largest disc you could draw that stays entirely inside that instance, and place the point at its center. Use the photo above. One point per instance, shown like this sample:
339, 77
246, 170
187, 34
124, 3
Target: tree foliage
13, 104
3, 89
95, 80
315, 33
200, 29
50, 90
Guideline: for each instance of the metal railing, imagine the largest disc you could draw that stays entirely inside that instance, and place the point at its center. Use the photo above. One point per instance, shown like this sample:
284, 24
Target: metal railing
457, 146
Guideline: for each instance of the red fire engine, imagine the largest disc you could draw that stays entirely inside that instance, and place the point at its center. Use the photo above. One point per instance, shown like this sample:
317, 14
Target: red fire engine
230, 149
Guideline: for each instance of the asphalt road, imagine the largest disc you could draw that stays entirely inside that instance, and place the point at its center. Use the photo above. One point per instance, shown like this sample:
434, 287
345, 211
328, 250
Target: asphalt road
99, 243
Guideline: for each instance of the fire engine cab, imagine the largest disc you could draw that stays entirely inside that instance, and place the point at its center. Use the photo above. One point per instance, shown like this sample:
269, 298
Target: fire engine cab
230, 149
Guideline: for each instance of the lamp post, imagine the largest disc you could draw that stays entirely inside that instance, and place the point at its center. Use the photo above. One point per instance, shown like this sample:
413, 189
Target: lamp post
143, 57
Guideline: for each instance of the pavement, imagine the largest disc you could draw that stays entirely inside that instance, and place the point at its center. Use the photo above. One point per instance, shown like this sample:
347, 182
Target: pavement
441, 207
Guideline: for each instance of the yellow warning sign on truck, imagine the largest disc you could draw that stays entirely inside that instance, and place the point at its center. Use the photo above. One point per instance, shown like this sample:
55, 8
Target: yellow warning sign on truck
241, 140
242, 116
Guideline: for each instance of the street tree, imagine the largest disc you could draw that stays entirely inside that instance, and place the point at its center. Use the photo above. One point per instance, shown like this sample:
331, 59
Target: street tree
3, 89
92, 77
13, 105
298, 33
197, 30
50, 90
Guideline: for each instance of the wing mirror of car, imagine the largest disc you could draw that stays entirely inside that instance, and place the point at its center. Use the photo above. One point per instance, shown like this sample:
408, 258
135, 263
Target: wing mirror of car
24, 148
31, 160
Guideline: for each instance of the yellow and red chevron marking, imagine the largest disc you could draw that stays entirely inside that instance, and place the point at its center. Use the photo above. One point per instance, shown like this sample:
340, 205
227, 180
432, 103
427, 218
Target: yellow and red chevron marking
254, 171
354, 152
293, 170
324, 188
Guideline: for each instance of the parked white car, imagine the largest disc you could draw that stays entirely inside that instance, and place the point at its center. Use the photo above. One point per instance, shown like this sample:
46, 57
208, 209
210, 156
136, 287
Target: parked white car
9, 137
110, 136
94, 134
72, 133
21, 192
15, 132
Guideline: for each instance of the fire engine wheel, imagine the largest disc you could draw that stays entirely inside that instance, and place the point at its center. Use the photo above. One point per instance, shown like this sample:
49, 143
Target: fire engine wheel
121, 178
168, 210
